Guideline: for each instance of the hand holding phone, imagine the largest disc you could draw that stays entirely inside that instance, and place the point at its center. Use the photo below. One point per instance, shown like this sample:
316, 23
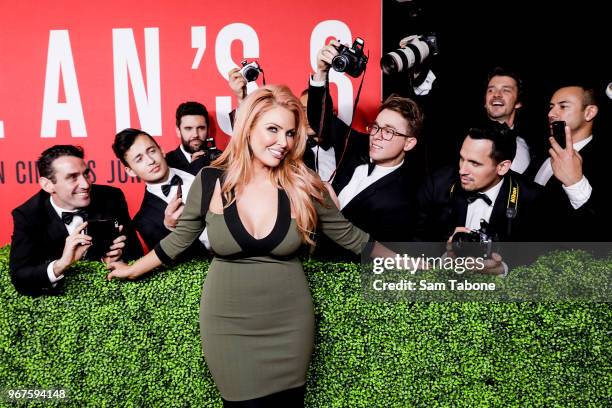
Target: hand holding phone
558, 132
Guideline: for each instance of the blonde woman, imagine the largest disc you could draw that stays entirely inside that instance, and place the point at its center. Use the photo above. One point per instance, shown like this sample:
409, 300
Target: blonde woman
256, 315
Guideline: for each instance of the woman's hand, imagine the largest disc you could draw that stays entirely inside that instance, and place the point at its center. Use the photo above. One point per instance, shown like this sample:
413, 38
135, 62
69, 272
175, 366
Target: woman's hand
119, 270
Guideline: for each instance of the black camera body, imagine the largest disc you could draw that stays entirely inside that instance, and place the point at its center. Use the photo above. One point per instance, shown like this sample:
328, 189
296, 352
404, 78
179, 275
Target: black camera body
413, 51
250, 70
350, 60
477, 243
211, 149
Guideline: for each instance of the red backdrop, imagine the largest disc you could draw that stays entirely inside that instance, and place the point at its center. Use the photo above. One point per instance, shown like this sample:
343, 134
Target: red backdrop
73, 72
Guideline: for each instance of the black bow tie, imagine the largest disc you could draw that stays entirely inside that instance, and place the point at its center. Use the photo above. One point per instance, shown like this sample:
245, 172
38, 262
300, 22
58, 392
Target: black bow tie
369, 162
176, 180
67, 217
471, 197
371, 166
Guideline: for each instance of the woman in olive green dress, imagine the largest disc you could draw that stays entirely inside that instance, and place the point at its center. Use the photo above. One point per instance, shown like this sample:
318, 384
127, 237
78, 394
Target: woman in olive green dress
260, 205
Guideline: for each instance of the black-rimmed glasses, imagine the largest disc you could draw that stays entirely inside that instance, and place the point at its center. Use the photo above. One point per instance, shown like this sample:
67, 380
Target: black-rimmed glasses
387, 132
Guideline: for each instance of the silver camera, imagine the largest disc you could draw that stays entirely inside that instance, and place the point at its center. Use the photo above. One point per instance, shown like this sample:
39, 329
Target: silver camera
250, 71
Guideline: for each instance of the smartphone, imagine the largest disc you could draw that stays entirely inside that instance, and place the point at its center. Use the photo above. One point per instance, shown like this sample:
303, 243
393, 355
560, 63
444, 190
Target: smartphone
102, 233
558, 132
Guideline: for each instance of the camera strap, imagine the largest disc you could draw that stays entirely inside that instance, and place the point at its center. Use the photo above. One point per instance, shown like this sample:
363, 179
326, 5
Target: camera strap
350, 126
511, 202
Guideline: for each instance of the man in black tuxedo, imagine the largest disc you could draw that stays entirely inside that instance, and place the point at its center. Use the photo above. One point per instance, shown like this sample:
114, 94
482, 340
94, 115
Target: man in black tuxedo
48, 234
372, 179
192, 126
503, 101
483, 188
575, 177
166, 188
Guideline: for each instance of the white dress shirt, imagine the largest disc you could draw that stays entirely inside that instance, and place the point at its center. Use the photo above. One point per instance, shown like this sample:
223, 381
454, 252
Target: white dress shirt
185, 153
156, 190
480, 210
578, 193
360, 181
325, 161
76, 221
522, 158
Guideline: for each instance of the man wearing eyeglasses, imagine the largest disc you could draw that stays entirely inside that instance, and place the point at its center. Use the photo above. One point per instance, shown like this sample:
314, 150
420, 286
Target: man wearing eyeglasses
375, 191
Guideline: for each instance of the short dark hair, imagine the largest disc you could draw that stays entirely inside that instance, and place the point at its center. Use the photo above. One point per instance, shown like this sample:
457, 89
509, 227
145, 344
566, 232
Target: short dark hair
125, 139
190, 108
46, 159
408, 109
501, 71
502, 137
589, 97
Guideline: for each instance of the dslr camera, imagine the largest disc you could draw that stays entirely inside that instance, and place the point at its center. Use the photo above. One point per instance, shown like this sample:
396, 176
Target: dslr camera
477, 243
413, 50
350, 60
250, 71
211, 149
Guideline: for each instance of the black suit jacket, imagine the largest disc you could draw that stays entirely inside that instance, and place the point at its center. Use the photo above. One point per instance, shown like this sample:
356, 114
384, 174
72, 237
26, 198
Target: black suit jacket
39, 236
591, 222
177, 159
335, 134
385, 209
149, 221
440, 211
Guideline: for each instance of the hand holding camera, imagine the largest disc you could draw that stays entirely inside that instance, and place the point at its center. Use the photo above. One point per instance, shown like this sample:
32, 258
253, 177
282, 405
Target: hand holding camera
467, 243
341, 58
324, 60
250, 70
237, 84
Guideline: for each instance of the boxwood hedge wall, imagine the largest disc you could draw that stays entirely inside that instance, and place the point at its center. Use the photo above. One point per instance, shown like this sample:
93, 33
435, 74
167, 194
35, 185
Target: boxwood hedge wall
137, 344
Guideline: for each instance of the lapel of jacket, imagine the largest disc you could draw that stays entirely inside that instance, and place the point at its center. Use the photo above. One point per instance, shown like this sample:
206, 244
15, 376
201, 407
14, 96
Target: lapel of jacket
375, 191
56, 229
152, 201
459, 205
498, 220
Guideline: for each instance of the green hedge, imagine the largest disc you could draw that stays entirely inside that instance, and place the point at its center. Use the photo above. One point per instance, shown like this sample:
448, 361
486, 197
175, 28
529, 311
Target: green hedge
137, 344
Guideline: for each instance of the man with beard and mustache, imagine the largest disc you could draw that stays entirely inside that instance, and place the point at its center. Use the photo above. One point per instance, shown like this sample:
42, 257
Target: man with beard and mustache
49, 228
503, 99
192, 126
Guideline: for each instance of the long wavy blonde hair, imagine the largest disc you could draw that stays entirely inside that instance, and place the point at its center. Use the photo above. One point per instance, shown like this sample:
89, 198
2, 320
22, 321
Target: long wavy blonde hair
300, 183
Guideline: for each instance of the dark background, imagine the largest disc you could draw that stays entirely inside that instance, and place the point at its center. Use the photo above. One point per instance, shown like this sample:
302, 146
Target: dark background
547, 43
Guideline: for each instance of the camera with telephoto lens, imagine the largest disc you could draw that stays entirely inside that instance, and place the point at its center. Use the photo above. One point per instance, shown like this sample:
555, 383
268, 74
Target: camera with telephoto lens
477, 243
413, 51
250, 71
350, 60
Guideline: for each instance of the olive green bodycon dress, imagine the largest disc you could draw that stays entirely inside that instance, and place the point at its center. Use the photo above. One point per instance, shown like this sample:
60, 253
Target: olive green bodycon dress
256, 312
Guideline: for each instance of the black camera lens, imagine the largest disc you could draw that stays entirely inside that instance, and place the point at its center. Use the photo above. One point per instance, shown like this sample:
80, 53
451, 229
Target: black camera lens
340, 63
350, 60
251, 74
